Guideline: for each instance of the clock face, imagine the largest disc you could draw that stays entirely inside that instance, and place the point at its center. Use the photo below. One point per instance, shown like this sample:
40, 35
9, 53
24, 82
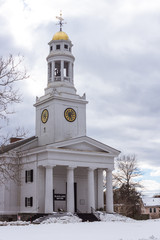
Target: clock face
70, 114
44, 115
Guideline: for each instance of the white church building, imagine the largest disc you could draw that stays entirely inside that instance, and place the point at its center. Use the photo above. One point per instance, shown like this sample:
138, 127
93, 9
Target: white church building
61, 167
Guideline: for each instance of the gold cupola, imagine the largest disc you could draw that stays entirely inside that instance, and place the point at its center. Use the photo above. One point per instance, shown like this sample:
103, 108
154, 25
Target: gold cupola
60, 36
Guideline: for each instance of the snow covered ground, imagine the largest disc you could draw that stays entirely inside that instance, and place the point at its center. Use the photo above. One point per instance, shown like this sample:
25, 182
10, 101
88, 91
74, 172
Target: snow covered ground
112, 227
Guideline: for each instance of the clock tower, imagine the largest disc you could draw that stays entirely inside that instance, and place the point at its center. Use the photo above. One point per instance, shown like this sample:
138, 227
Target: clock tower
60, 112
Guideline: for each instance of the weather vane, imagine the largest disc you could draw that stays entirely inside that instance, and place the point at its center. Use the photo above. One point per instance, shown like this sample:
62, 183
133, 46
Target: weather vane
61, 21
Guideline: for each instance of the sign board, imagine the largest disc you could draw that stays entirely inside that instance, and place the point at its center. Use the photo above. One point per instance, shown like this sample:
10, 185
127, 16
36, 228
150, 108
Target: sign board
59, 197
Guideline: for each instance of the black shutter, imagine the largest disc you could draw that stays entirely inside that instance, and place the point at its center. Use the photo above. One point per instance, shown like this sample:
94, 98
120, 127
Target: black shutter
31, 201
26, 176
32, 175
25, 202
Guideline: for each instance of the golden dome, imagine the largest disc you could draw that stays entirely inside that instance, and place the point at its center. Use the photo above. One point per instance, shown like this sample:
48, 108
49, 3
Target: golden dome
60, 36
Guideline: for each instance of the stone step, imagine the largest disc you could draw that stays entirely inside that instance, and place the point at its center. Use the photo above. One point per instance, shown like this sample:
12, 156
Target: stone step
87, 217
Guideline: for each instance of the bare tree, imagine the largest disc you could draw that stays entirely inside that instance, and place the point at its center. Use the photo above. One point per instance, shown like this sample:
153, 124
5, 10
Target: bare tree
126, 184
11, 72
127, 171
10, 167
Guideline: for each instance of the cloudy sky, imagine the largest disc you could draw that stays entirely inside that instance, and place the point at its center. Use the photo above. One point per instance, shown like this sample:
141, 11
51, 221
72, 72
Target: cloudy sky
117, 51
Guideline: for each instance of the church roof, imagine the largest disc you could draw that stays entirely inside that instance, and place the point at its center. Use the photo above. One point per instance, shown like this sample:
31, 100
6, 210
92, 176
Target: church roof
60, 36
4, 149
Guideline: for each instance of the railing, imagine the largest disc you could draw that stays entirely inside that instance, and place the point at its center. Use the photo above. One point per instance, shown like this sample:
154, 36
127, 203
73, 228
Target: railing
78, 211
67, 79
57, 79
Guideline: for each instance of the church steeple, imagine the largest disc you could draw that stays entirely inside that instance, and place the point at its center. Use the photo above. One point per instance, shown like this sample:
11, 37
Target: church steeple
60, 62
60, 112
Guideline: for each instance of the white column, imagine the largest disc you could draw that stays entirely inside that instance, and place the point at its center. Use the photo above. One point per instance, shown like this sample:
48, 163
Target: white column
49, 190
109, 191
62, 70
53, 71
70, 72
70, 189
100, 189
48, 72
91, 192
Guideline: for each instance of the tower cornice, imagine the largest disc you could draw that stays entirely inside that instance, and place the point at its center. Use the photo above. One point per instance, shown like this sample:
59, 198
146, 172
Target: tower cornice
60, 54
41, 100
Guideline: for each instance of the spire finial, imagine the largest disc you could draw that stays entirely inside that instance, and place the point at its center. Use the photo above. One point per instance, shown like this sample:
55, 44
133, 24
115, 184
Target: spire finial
61, 21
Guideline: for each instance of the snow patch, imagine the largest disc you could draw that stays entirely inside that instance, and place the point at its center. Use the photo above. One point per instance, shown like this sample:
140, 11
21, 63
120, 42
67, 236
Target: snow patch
150, 238
105, 217
63, 220
113, 227
14, 223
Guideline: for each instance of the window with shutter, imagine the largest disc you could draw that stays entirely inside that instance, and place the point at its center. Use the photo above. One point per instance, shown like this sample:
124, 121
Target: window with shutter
29, 202
32, 175
26, 176
29, 176
25, 202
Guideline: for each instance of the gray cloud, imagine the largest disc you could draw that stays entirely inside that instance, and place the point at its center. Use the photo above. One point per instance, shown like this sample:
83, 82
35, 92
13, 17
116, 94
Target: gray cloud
117, 51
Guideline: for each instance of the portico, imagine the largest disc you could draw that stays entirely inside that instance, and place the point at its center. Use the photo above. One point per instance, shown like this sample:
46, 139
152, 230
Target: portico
94, 199
77, 175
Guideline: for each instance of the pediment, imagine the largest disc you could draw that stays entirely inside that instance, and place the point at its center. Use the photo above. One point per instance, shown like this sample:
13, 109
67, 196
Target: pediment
83, 146
86, 144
